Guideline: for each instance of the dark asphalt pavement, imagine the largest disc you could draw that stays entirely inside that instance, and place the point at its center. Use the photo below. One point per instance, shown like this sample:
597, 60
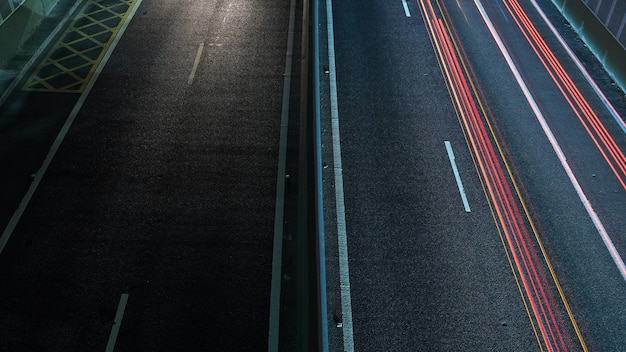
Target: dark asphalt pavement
424, 274
588, 275
163, 189
160, 201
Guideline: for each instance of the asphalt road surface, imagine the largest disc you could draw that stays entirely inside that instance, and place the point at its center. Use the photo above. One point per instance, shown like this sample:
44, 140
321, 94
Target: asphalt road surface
474, 180
526, 257
152, 227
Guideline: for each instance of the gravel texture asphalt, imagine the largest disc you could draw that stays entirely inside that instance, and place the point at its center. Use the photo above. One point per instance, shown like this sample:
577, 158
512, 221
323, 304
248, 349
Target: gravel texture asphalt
163, 189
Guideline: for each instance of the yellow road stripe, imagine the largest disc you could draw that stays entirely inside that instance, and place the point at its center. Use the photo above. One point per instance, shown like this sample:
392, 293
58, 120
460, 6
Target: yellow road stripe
71, 63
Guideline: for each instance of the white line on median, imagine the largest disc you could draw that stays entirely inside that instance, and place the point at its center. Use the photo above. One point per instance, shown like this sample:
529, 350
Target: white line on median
344, 273
457, 176
121, 307
406, 8
195, 64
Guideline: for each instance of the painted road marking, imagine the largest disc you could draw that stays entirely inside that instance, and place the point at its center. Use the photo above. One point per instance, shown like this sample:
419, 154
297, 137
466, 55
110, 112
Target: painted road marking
115, 329
406, 8
17, 215
344, 272
457, 176
195, 64
72, 62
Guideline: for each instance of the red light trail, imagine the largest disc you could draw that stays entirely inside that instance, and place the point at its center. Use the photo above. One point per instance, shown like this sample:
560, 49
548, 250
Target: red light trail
515, 228
586, 115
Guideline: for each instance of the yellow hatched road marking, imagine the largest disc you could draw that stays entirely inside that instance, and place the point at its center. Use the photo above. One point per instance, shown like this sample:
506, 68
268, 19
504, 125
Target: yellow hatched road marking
72, 61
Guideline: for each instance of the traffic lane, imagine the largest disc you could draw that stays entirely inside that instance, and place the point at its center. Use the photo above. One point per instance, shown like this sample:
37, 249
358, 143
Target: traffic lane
423, 272
223, 167
575, 248
508, 204
167, 192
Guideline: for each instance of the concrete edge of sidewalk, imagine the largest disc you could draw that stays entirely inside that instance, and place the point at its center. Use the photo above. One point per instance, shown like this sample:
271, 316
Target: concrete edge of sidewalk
21, 63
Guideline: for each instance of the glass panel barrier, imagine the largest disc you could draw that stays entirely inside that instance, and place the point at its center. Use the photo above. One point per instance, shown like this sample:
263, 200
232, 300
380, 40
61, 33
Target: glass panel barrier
7, 7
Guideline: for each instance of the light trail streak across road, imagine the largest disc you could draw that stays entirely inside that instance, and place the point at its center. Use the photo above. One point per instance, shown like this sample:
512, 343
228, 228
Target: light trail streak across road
601, 95
545, 312
525, 270
608, 242
580, 106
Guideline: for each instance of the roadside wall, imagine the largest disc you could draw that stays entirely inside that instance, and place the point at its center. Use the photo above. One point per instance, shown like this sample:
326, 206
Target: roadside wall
602, 25
17, 27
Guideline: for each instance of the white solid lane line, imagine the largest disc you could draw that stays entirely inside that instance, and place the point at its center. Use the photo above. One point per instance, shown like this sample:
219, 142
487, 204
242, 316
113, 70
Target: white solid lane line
344, 273
121, 307
406, 8
457, 176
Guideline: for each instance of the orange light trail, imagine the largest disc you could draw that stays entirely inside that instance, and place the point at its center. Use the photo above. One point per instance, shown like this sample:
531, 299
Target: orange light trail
545, 317
601, 138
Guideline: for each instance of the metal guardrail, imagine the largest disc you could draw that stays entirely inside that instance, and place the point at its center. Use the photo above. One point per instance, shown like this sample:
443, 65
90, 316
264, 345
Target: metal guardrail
312, 325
